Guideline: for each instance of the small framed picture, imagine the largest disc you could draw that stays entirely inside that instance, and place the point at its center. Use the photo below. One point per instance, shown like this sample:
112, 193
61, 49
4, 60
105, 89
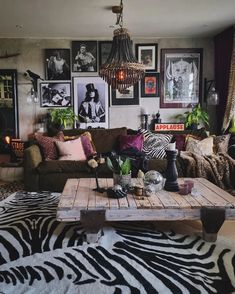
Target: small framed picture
128, 97
150, 84
57, 64
147, 54
181, 77
104, 51
91, 101
55, 94
84, 56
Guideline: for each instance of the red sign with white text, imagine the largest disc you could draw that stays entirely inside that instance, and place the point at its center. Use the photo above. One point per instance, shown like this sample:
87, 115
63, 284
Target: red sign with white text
169, 127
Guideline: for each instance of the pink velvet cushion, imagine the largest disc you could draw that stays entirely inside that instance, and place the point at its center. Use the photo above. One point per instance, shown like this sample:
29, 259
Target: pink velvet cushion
131, 141
71, 150
47, 145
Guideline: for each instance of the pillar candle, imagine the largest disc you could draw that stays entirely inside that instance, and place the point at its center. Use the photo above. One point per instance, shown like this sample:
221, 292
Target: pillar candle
171, 146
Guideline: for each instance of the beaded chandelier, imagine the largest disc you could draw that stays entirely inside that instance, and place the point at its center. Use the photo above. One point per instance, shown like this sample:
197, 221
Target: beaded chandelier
121, 69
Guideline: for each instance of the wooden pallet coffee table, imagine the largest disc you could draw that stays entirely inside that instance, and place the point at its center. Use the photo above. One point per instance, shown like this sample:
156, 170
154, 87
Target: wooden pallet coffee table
79, 202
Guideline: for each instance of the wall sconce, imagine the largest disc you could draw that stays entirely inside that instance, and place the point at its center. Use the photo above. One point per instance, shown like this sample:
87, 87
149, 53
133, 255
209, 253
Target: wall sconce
211, 96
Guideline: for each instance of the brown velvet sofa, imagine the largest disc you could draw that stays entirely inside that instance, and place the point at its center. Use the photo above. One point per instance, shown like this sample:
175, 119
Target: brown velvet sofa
40, 175
51, 175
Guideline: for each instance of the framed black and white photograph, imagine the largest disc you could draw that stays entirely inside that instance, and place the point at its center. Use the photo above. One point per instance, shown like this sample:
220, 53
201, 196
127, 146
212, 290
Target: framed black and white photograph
150, 85
84, 56
91, 101
147, 54
181, 75
55, 94
57, 64
128, 97
104, 51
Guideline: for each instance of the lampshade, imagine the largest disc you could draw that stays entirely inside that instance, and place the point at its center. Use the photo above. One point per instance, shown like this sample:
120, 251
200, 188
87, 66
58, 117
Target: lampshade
121, 70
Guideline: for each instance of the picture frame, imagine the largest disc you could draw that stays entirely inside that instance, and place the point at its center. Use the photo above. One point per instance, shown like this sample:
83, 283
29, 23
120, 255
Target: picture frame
181, 77
91, 112
148, 55
57, 64
129, 97
84, 56
104, 51
55, 94
150, 85
9, 119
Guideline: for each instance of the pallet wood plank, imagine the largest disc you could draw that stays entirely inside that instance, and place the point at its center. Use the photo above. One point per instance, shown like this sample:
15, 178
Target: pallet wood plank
92, 195
113, 203
167, 200
223, 194
69, 194
131, 201
155, 201
82, 194
211, 196
181, 200
101, 199
142, 202
192, 200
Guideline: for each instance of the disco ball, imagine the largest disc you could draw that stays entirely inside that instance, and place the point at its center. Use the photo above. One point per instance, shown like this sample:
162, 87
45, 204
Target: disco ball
153, 181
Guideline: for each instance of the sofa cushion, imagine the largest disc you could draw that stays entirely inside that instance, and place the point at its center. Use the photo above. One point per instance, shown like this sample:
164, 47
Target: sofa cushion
155, 144
201, 147
71, 150
221, 143
105, 140
47, 145
131, 141
62, 166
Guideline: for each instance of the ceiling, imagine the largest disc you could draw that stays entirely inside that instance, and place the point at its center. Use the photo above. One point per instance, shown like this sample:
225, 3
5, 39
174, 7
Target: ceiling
74, 19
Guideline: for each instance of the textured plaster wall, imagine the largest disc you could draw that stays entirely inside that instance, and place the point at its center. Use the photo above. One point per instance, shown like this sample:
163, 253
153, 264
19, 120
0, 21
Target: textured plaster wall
32, 57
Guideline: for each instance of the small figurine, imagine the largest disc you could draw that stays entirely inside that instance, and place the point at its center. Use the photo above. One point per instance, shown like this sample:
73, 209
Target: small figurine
158, 119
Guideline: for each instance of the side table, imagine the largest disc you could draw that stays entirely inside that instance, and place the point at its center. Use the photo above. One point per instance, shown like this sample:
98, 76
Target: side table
10, 172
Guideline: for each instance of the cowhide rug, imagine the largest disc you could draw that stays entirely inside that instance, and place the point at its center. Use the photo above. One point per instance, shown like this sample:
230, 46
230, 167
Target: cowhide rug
40, 255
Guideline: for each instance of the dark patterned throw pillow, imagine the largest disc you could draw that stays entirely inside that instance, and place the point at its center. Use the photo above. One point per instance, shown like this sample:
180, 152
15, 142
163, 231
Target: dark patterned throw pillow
155, 144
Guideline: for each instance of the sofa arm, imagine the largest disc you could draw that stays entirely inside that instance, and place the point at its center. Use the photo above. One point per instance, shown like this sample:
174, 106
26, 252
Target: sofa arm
32, 158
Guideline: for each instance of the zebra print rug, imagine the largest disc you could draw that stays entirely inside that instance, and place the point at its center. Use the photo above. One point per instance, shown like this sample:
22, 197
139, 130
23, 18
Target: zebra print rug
40, 255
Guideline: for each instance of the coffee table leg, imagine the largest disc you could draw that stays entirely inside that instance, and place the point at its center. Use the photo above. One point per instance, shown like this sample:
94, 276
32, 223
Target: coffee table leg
212, 220
92, 221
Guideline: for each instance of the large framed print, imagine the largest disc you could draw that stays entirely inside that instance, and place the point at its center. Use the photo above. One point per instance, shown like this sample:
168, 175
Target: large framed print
128, 97
8, 103
57, 64
181, 77
84, 56
147, 54
91, 101
55, 94
150, 84
104, 51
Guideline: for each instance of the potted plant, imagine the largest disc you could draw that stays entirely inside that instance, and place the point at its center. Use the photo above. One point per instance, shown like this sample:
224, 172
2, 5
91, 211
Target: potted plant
61, 118
194, 117
121, 168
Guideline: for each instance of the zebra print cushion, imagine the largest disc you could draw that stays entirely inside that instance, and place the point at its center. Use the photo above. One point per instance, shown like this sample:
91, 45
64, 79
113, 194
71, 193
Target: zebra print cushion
155, 144
40, 255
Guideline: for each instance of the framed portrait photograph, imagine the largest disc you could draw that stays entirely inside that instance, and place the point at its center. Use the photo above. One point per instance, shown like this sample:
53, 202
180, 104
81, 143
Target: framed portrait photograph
181, 75
55, 94
147, 54
91, 101
84, 56
129, 97
104, 51
150, 85
57, 64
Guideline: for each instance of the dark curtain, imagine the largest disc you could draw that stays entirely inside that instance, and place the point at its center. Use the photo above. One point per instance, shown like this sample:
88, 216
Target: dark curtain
223, 53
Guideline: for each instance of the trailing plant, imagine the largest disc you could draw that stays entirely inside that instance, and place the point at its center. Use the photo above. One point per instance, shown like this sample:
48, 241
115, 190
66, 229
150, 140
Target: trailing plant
194, 117
118, 165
